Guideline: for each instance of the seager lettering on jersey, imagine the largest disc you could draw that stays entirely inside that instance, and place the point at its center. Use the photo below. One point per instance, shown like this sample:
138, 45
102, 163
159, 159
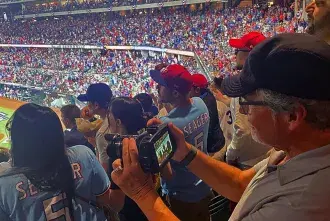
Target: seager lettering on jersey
31, 190
196, 124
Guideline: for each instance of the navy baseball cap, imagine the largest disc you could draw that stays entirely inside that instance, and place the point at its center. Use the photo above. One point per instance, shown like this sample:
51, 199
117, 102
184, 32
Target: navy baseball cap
292, 64
99, 92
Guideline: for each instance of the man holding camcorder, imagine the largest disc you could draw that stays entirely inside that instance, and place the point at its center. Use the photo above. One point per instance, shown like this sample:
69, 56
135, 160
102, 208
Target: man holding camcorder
293, 183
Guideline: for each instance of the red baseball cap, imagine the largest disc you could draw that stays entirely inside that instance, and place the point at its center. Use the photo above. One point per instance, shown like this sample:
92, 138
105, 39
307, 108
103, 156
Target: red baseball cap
173, 76
199, 80
248, 41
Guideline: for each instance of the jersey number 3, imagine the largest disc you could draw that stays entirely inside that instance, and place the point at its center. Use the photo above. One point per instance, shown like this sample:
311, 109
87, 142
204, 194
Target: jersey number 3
230, 120
51, 213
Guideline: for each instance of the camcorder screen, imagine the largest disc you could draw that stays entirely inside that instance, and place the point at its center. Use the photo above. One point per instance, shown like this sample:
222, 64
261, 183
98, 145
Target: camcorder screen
163, 147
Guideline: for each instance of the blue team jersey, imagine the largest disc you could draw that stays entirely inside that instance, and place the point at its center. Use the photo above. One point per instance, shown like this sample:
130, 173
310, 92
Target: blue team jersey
20, 200
193, 120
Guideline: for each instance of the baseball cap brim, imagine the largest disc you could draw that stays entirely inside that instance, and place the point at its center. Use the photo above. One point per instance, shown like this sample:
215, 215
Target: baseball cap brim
236, 43
232, 87
83, 98
156, 76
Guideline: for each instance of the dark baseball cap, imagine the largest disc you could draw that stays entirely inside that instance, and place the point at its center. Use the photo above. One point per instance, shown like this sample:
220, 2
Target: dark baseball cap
292, 64
173, 76
99, 92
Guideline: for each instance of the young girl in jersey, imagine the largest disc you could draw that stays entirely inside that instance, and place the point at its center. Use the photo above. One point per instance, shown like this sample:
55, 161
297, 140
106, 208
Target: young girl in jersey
47, 181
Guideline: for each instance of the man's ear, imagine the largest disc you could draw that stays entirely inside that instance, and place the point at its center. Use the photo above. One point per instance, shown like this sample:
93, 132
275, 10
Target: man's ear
197, 90
297, 117
118, 123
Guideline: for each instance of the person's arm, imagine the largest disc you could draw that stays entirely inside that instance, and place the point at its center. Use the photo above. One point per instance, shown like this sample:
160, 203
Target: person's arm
138, 185
155, 209
113, 198
215, 139
241, 134
101, 146
223, 178
226, 180
101, 186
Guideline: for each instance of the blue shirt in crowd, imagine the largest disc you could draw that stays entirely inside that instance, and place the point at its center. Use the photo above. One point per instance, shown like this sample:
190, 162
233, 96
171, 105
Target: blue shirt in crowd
20, 200
193, 120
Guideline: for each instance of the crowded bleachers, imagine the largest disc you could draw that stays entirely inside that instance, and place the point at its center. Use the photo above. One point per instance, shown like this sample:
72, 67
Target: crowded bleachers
205, 32
194, 113
71, 71
44, 7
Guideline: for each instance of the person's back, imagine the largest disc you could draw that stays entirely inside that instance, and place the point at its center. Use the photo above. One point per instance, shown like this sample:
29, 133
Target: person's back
183, 190
20, 200
74, 137
200, 88
194, 121
216, 138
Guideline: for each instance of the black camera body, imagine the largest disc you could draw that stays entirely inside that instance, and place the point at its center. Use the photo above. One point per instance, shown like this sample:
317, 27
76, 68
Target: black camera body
155, 145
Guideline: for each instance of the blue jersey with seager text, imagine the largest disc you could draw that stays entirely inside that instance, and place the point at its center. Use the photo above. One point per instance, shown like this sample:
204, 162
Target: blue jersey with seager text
21, 200
193, 120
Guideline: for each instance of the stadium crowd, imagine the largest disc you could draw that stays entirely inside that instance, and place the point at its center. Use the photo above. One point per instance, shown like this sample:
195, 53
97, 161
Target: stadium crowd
212, 133
71, 71
74, 5
206, 32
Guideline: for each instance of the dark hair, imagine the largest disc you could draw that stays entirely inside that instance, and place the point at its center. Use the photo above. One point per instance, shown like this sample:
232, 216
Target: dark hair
129, 111
4, 154
71, 112
38, 150
218, 81
204, 90
145, 100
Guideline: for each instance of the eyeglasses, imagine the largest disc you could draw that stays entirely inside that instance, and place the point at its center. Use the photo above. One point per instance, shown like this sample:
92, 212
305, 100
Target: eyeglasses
245, 104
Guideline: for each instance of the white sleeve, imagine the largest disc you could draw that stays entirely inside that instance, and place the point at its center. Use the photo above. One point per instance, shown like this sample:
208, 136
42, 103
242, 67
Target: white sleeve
241, 132
101, 145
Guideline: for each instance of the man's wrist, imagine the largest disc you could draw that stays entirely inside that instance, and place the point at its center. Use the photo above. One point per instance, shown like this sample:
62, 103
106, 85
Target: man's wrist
182, 152
147, 199
190, 156
154, 208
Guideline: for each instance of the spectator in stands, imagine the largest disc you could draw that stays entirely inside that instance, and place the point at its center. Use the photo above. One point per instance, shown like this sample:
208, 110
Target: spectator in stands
4, 154
149, 108
292, 183
184, 191
72, 136
99, 96
126, 117
4, 158
215, 139
225, 119
318, 13
44, 172
243, 151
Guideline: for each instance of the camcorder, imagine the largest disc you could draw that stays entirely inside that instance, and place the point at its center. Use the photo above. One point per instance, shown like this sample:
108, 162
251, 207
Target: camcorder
155, 145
